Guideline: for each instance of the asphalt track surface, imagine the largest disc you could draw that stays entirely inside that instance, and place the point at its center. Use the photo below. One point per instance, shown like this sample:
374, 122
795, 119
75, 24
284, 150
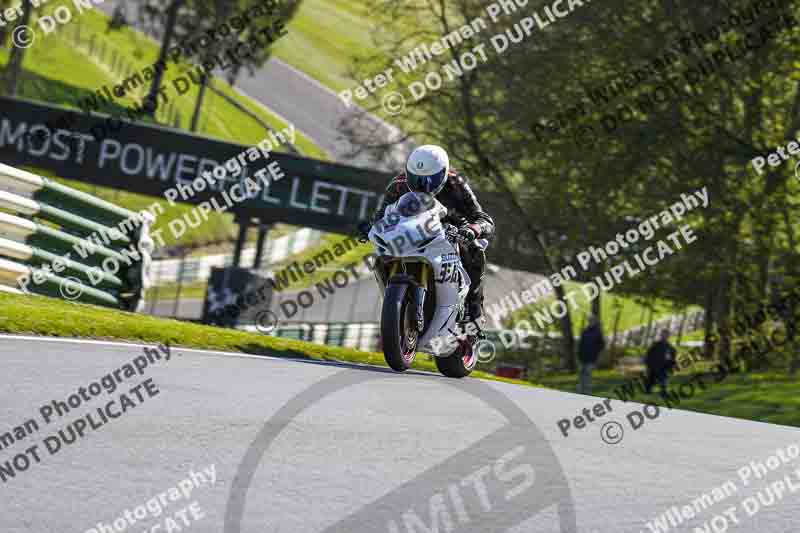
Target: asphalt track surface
371, 445
317, 111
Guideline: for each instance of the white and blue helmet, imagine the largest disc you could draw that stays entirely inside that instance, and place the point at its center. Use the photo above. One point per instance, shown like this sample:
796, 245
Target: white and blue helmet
427, 168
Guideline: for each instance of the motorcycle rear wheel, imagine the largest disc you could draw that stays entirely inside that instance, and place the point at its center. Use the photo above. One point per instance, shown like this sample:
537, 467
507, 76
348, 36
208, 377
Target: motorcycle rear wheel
461, 363
398, 327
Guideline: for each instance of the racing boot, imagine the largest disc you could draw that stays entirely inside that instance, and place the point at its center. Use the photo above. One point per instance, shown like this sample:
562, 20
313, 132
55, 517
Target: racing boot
475, 266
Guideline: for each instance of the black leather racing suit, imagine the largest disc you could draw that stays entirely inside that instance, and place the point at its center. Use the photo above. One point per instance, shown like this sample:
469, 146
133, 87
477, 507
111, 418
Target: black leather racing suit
463, 209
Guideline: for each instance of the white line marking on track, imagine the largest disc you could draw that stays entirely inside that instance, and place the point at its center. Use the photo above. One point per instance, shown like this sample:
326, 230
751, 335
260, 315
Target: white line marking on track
136, 344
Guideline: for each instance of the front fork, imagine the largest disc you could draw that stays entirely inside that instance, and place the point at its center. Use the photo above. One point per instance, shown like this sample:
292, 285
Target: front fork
419, 294
419, 297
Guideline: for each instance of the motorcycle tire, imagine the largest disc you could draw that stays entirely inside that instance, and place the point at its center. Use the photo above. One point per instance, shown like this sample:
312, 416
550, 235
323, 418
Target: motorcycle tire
398, 327
460, 364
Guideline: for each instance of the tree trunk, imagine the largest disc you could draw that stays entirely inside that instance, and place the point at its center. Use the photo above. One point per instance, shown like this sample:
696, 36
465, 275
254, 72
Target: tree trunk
680, 328
596, 307
724, 319
708, 321
199, 104
791, 268
612, 359
792, 274
764, 268
3, 29
727, 297
14, 68
169, 30
568, 342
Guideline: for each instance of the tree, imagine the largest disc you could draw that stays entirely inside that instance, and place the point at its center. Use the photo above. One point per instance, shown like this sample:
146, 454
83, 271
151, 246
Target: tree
14, 67
3, 29
506, 121
166, 42
186, 21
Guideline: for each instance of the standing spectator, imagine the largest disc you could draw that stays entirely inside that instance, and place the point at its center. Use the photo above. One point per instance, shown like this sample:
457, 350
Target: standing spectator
589, 348
660, 360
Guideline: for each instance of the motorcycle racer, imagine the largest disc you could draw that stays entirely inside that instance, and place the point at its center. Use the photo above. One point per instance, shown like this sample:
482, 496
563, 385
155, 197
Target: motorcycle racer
428, 171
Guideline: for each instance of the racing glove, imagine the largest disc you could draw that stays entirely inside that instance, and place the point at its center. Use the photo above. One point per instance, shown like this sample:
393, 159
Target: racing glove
363, 232
467, 234
451, 232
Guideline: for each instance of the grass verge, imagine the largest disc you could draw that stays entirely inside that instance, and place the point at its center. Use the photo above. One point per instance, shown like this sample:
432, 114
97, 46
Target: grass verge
325, 37
768, 397
169, 291
631, 311
40, 315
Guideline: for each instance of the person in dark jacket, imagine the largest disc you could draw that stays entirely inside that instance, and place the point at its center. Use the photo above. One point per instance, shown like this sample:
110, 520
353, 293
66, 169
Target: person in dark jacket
590, 345
660, 360
428, 171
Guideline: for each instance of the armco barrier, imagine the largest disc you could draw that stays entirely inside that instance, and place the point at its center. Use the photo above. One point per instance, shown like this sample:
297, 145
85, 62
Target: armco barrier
365, 336
192, 269
58, 241
359, 336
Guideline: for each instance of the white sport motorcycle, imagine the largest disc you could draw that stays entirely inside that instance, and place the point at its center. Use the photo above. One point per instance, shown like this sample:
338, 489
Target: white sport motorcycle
425, 286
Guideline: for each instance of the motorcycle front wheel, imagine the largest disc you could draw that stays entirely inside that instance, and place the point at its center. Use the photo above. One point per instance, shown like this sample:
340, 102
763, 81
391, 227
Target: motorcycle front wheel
398, 327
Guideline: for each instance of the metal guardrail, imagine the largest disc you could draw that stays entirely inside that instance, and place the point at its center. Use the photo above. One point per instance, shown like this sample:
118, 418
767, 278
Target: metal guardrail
646, 333
194, 269
58, 241
365, 336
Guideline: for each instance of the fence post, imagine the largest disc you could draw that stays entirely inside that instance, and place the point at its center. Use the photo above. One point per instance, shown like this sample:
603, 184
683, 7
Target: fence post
181, 269
154, 298
680, 328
